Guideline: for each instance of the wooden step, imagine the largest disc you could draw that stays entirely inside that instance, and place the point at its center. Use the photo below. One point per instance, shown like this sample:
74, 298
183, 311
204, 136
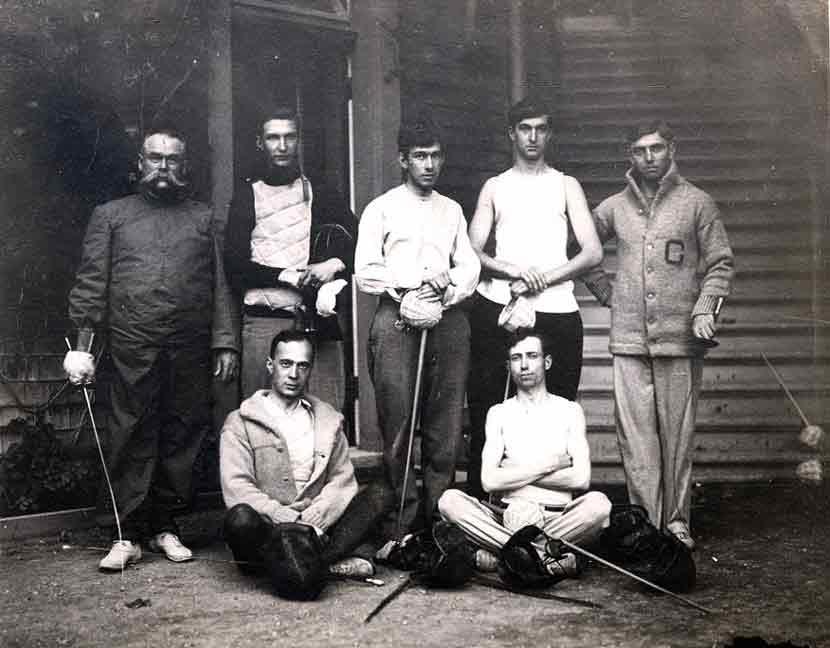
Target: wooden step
730, 371
718, 445
723, 473
727, 408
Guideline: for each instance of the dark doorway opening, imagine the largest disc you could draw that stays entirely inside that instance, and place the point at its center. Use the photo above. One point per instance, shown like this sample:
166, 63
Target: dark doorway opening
278, 62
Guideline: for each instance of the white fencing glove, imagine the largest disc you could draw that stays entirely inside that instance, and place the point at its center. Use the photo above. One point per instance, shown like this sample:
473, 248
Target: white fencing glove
519, 313
327, 297
79, 367
522, 513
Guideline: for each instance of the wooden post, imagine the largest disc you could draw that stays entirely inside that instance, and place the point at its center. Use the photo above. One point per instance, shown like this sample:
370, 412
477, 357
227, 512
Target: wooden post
220, 107
518, 65
220, 138
376, 95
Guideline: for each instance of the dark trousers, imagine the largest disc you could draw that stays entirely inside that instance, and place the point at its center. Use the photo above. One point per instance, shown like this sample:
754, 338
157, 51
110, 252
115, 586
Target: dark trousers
159, 402
393, 360
488, 369
247, 531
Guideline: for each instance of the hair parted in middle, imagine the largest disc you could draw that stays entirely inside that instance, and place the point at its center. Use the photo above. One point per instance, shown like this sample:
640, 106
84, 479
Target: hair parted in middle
525, 109
420, 130
290, 335
522, 334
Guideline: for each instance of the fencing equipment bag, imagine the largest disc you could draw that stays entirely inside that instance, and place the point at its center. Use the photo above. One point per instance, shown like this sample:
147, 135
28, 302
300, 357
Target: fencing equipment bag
293, 557
633, 541
442, 557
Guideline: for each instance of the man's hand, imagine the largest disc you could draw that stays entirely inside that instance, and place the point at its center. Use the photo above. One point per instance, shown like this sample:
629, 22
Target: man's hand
319, 273
225, 364
432, 290
300, 505
293, 276
79, 367
440, 281
428, 293
703, 326
531, 280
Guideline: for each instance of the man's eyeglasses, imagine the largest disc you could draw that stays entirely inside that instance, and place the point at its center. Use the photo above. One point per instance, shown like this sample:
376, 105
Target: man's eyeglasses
172, 160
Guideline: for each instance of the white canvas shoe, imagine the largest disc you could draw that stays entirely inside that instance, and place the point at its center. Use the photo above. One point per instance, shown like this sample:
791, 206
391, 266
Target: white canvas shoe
122, 553
170, 545
354, 567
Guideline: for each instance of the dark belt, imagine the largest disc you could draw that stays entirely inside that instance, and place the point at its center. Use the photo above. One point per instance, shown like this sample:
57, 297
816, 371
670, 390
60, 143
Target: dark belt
550, 508
267, 311
386, 298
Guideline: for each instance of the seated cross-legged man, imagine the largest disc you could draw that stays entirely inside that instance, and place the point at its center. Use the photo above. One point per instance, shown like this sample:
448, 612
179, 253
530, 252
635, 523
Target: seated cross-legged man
284, 463
535, 455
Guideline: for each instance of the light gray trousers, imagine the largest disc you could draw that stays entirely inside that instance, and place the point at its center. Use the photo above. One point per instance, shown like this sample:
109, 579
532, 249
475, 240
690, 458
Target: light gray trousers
656, 404
580, 522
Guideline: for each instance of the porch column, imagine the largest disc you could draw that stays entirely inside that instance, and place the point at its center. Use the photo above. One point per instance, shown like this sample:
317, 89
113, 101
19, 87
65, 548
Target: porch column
376, 96
220, 137
518, 65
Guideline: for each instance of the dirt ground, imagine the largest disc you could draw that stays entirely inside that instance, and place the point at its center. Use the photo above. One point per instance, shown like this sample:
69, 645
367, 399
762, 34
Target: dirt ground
763, 567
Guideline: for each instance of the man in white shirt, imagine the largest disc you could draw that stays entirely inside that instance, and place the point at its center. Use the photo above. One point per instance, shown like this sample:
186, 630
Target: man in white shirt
284, 459
414, 239
535, 454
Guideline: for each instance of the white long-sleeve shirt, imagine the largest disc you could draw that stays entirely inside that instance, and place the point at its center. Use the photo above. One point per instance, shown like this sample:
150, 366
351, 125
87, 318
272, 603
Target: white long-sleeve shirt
405, 239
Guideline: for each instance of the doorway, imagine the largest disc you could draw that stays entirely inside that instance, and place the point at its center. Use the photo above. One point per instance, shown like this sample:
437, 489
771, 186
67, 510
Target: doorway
278, 61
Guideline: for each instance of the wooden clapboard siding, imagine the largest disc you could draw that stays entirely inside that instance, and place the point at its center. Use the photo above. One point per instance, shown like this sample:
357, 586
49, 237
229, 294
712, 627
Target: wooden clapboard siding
460, 77
743, 135
29, 377
736, 142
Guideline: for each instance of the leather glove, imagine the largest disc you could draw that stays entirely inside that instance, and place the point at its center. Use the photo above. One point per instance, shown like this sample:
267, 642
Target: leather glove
79, 367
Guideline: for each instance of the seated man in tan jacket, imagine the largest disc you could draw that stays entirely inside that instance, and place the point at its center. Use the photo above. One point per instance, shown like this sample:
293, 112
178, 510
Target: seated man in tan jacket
284, 459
